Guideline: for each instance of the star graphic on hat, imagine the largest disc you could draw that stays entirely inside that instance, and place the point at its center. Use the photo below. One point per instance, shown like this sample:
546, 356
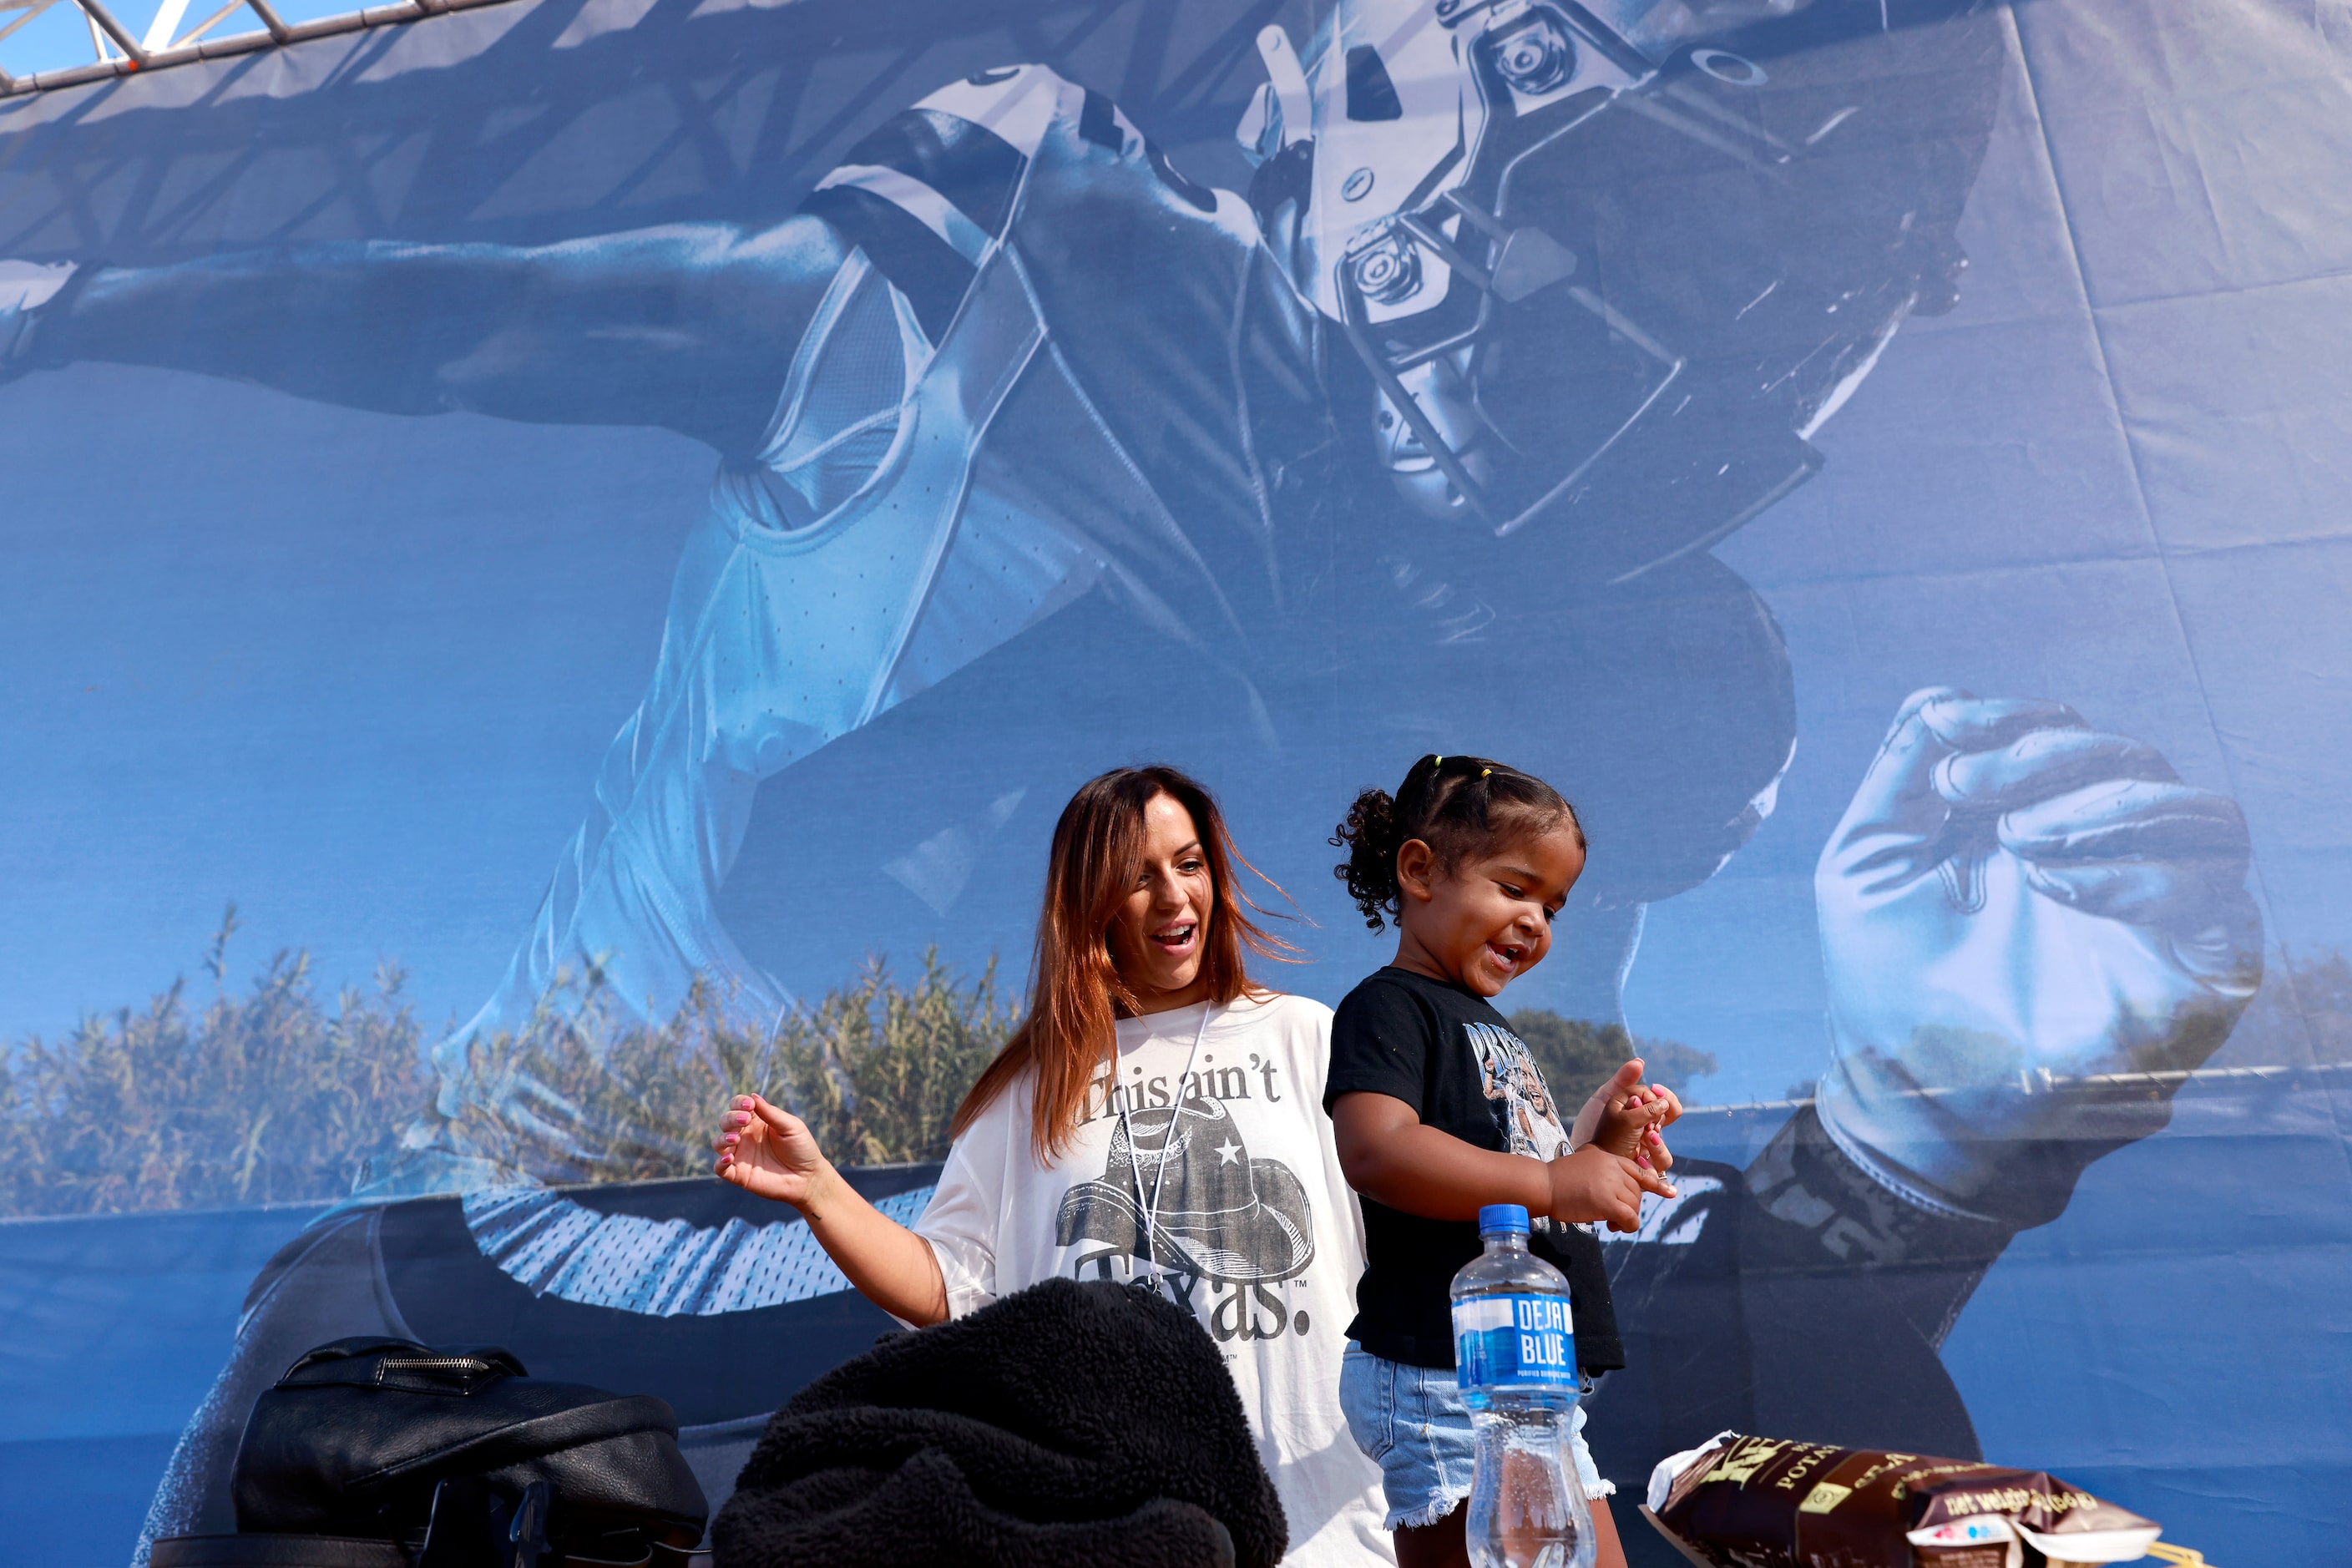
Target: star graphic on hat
1228, 1153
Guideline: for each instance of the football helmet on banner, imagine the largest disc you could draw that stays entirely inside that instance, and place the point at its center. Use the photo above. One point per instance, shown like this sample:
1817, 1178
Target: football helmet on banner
1611, 266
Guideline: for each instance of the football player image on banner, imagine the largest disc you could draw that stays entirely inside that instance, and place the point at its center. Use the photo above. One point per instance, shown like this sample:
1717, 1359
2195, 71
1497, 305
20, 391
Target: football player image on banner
1427, 423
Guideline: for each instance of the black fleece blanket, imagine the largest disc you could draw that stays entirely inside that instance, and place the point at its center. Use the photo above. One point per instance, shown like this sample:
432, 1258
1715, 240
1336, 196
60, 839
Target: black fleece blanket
1070, 1424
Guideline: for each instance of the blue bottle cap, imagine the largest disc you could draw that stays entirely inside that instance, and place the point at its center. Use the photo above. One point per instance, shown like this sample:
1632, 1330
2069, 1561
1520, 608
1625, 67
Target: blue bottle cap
1502, 1220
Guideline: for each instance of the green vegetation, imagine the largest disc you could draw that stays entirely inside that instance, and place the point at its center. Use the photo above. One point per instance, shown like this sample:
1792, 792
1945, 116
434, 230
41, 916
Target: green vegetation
876, 1067
2301, 1017
269, 1097
1576, 1056
275, 1094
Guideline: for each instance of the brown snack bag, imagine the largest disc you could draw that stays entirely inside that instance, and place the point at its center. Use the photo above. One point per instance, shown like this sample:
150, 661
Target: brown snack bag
1766, 1503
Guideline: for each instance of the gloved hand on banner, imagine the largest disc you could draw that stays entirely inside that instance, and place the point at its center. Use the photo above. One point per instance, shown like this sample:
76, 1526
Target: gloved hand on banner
24, 288
2014, 900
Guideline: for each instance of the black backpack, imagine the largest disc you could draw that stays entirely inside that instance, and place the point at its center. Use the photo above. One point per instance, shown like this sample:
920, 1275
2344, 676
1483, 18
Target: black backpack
452, 1458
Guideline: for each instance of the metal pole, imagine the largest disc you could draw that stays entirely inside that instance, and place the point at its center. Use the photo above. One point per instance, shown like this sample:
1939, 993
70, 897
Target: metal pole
277, 31
97, 12
269, 18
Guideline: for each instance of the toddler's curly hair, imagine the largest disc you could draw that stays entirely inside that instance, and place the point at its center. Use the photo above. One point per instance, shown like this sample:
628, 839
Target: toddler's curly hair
1457, 805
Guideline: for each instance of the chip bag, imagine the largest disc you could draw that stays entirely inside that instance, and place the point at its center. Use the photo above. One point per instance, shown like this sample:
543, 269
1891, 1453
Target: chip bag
1766, 1502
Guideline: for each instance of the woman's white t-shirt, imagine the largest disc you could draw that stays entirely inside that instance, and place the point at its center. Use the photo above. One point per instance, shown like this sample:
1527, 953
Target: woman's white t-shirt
1253, 1230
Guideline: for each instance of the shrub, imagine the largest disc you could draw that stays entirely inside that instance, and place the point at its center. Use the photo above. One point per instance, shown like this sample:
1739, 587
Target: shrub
1576, 1056
274, 1096
269, 1097
2301, 1017
876, 1069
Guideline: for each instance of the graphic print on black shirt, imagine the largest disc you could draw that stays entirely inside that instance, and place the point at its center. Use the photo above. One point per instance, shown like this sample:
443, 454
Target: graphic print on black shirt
1447, 1053
1516, 1094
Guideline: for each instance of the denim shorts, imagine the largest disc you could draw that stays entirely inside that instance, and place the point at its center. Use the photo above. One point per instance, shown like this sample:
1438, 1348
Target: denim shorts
1410, 1421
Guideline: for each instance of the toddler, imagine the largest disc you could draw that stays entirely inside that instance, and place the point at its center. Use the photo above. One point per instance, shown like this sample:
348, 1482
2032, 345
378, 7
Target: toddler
1440, 1110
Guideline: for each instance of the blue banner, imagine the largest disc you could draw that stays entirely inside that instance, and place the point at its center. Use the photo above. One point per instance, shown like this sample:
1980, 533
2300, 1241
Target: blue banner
581, 522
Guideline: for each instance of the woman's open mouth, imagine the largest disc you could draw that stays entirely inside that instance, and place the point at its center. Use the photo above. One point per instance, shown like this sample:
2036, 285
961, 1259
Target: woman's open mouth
1176, 940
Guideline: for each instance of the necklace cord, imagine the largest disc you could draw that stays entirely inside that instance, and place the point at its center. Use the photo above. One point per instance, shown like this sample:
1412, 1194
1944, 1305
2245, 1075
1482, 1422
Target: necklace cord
1168, 1142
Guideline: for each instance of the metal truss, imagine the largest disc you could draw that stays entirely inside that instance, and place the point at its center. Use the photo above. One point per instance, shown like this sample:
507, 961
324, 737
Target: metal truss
171, 40
691, 113
749, 105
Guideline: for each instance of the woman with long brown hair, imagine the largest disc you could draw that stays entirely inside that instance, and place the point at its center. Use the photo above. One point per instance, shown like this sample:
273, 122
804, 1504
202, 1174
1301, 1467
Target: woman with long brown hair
1156, 1118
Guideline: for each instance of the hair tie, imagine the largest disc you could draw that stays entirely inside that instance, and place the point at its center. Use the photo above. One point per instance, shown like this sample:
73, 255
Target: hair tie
1483, 772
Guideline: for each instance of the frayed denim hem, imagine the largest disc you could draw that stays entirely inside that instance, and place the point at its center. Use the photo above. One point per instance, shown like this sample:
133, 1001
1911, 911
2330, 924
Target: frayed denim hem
1423, 1517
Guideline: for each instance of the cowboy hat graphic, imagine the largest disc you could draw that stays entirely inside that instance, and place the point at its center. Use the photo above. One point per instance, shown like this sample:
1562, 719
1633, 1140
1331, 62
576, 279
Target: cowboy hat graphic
1220, 1214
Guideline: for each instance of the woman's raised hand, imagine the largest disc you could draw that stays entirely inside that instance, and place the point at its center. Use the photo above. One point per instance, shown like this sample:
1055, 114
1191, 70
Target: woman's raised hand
767, 1149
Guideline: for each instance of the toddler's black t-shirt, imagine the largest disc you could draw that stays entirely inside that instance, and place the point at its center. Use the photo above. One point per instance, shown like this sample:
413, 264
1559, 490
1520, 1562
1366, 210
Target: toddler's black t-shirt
1448, 1054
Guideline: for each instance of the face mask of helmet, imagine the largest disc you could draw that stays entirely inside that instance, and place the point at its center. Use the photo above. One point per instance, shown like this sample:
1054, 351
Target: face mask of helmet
1556, 303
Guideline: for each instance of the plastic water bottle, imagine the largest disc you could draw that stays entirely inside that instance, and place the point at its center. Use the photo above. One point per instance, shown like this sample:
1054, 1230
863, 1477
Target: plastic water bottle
1515, 1360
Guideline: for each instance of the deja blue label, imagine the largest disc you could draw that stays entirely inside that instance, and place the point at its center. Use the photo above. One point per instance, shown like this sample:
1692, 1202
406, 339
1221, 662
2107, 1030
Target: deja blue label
1514, 1341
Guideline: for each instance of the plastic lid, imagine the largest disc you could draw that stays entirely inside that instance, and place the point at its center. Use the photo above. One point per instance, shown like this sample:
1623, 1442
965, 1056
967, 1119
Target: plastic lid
1502, 1219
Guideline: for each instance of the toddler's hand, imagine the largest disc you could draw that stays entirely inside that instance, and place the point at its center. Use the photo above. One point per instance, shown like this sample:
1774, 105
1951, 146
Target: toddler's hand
1595, 1185
1624, 1116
